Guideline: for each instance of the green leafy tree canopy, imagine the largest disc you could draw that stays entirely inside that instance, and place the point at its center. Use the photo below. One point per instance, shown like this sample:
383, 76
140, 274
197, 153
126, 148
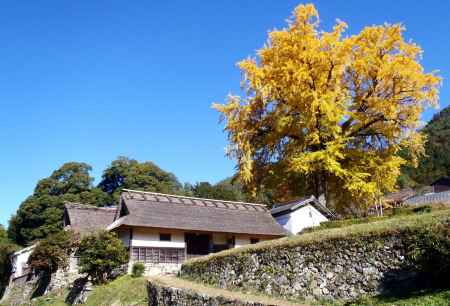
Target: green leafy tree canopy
41, 213
131, 174
100, 254
6, 248
436, 162
53, 252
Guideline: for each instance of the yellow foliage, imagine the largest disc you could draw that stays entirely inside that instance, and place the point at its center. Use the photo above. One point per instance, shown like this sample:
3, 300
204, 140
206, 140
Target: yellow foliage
331, 108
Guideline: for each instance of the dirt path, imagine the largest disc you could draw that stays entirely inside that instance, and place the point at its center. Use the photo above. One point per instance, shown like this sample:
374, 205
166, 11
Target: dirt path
213, 291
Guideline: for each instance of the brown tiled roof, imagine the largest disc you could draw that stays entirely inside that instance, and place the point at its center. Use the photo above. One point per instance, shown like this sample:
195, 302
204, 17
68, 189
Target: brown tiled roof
157, 210
86, 218
400, 195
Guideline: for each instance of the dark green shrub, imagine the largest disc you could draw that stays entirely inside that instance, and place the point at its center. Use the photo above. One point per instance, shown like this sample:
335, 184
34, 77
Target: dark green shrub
6, 249
138, 269
422, 209
52, 253
402, 211
429, 250
101, 254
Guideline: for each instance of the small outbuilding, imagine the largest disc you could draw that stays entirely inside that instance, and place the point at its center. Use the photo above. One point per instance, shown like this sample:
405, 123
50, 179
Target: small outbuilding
21, 270
441, 185
398, 198
302, 213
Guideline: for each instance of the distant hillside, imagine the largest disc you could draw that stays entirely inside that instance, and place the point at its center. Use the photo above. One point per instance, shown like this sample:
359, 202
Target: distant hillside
437, 162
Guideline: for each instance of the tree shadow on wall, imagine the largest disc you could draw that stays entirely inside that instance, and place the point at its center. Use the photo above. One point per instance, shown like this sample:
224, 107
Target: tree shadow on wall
43, 280
77, 292
410, 282
399, 284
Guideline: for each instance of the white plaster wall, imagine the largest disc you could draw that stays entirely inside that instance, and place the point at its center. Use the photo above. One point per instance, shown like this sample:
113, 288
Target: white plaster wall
304, 217
143, 237
124, 235
162, 269
73, 263
19, 261
241, 241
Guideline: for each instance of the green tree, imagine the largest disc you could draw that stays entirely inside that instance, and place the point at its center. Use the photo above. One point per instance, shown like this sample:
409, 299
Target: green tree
100, 254
71, 178
6, 248
52, 253
230, 189
219, 192
226, 189
129, 173
41, 213
436, 162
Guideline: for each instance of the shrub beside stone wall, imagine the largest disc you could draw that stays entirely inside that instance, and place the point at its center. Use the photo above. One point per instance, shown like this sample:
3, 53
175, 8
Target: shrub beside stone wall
336, 264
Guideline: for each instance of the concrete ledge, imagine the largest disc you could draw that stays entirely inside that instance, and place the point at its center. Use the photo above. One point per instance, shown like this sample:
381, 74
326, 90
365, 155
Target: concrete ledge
164, 291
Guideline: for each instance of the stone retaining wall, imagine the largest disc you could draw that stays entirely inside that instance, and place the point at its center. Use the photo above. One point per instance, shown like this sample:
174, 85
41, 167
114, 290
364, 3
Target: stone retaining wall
327, 269
162, 295
158, 268
18, 293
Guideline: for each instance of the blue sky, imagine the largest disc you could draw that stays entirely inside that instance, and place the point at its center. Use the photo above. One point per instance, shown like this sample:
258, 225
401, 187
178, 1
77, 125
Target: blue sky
91, 80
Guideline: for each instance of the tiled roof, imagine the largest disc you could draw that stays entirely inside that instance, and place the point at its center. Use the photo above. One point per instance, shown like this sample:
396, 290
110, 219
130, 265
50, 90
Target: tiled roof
400, 195
442, 181
285, 208
158, 210
86, 218
201, 202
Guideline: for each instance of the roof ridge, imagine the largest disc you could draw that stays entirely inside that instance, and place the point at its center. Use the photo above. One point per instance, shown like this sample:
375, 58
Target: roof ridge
89, 206
295, 201
193, 198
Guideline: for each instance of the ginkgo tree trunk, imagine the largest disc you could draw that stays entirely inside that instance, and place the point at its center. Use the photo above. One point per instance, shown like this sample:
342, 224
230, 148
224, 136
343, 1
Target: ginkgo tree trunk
326, 113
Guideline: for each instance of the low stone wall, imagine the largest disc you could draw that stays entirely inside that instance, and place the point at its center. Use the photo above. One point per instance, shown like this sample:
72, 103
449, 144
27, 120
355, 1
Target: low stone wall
159, 268
334, 268
163, 295
21, 292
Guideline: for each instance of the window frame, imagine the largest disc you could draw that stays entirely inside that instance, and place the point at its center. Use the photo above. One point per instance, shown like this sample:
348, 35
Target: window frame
157, 255
254, 240
167, 237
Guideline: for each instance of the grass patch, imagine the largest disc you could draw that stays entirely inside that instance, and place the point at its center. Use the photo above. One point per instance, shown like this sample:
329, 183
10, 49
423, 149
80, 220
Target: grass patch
391, 213
48, 300
382, 227
55, 298
435, 298
123, 291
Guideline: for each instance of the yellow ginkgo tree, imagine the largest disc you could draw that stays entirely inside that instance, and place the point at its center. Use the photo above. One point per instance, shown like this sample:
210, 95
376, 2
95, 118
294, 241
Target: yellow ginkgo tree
327, 114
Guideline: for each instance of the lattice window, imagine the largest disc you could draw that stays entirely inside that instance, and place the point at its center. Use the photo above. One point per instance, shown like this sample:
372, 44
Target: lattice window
158, 255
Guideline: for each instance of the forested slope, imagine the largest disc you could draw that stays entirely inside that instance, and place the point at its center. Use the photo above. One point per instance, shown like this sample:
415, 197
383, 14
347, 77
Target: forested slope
436, 163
